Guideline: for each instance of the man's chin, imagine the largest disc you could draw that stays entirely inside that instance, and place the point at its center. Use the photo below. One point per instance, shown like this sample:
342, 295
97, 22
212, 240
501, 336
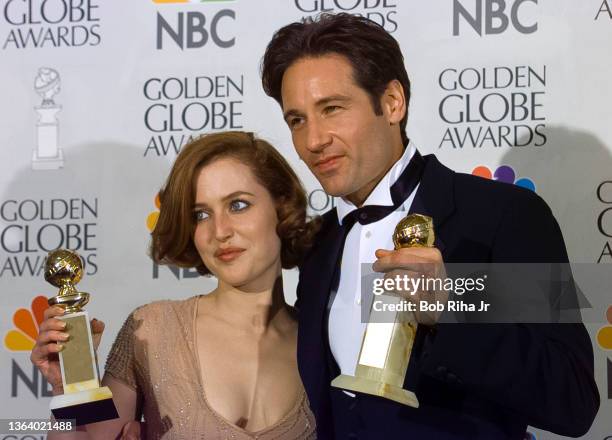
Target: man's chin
334, 189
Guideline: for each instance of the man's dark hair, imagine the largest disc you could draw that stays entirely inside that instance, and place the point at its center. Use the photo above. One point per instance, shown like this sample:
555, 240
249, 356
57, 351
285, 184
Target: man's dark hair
374, 55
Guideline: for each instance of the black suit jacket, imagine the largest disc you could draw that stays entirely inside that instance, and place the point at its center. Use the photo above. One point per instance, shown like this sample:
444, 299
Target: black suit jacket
473, 381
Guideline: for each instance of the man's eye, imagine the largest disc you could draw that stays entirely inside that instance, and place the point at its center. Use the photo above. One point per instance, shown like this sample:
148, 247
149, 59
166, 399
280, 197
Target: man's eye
331, 108
294, 122
239, 205
201, 215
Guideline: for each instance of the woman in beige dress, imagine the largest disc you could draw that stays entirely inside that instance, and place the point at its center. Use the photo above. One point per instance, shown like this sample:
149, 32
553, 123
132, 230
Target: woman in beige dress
221, 365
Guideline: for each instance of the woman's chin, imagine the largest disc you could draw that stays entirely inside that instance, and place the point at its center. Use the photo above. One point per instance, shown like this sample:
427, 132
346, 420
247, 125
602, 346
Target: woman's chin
234, 278
246, 277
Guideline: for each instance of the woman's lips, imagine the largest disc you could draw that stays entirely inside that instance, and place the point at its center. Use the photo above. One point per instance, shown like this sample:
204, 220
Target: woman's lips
227, 255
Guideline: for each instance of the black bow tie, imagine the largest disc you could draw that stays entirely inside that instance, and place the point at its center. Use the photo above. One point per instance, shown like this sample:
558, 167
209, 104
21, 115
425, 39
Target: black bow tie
400, 191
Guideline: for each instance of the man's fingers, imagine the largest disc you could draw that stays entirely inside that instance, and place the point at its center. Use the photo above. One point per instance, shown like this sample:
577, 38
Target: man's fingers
429, 253
415, 259
390, 263
416, 274
382, 253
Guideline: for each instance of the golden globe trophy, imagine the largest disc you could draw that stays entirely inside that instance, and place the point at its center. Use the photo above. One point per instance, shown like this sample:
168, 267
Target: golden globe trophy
386, 347
83, 399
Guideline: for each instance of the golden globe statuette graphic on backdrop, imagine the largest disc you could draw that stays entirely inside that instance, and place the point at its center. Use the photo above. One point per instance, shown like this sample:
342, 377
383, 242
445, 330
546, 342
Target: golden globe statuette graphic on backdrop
47, 155
83, 398
386, 347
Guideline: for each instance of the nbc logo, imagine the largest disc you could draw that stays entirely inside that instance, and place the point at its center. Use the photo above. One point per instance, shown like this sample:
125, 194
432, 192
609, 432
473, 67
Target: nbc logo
178, 272
21, 339
194, 29
26, 323
604, 339
154, 215
604, 335
504, 173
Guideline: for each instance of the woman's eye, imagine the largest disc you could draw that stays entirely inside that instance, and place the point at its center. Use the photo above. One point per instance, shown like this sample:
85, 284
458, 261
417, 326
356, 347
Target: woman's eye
239, 205
201, 215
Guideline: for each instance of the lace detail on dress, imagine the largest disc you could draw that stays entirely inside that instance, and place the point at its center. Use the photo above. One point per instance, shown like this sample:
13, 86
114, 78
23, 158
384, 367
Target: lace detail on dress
154, 353
120, 361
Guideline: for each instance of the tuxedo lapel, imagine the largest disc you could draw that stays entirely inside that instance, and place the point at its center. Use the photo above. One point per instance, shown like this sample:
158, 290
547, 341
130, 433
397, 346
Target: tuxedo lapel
435, 196
322, 265
316, 275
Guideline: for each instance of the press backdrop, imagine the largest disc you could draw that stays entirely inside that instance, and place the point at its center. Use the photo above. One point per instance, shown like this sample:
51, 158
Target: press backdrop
97, 98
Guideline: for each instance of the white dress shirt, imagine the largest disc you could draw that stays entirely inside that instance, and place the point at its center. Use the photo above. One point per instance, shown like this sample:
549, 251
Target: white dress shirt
345, 327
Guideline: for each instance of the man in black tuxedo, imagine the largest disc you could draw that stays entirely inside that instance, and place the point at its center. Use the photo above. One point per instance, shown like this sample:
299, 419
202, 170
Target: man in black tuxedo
344, 92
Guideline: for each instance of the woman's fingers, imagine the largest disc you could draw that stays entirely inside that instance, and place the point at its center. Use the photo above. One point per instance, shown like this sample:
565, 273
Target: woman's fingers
52, 324
41, 353
49, 342
97, 327
52, 336
53, 311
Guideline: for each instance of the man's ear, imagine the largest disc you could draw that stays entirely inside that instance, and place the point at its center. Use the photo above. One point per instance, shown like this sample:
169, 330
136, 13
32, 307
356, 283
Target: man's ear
393, 102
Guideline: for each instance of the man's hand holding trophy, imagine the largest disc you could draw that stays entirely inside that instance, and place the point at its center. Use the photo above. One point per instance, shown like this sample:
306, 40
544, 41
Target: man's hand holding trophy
415, 257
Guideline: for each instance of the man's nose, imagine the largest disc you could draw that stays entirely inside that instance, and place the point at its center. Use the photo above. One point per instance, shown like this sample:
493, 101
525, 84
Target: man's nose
318, 136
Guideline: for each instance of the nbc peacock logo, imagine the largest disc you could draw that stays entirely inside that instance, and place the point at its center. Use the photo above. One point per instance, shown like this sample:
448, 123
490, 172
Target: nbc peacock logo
21, 340
506, 174
604, 335
177, 272
26, 322
153, 215
604, 340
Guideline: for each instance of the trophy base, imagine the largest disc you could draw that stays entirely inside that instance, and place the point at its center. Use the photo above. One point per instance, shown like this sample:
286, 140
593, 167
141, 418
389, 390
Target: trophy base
89, 406
381, 389
47, 163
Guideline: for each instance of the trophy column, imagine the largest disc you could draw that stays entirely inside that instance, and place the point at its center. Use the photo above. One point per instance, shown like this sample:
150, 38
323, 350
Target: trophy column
83, 399
47, 155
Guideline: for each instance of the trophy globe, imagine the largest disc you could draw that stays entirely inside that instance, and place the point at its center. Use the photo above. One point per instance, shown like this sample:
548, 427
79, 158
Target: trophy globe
64, 269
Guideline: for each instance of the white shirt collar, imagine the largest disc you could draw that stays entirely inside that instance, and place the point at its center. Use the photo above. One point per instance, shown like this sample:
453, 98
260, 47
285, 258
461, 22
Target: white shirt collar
381, 195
